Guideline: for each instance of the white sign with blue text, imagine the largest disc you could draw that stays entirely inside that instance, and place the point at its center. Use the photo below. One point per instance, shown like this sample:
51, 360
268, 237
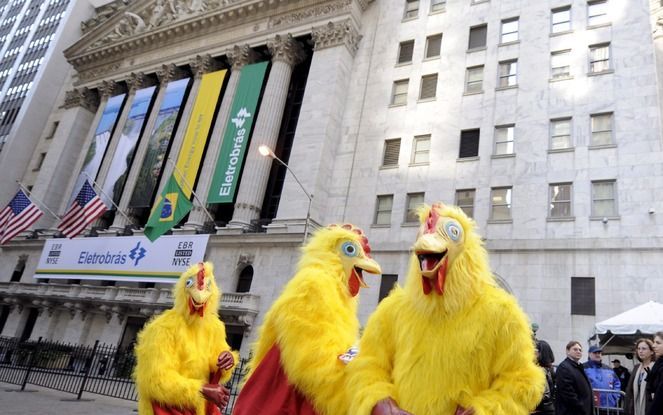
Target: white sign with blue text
127, 258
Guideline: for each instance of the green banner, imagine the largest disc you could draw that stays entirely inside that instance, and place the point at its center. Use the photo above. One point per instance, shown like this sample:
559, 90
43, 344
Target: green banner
237, 136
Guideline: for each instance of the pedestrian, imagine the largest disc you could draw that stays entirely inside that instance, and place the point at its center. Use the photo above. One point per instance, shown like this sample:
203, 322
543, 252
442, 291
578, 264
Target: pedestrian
545, 359
622, 373
602, 377
655, 378
637, 402
573, 393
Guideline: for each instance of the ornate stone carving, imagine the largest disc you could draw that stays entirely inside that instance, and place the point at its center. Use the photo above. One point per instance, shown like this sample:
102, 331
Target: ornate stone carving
81, 97
103, 13
241, 55
138, 80
336, 33
108, 88
246, 259
286, 49
169, 73
201, 65
313, 13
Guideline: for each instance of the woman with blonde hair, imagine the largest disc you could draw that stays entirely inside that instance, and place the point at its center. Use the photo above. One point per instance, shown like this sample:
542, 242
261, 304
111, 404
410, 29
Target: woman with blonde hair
636, 402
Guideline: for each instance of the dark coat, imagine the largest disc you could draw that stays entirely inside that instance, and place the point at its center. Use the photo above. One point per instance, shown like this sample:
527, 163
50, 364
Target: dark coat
629, 405
573, 392
655, 386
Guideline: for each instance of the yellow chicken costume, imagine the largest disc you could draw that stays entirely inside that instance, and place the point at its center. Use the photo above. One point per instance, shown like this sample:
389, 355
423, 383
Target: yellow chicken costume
451, 341
297, 365
182, 354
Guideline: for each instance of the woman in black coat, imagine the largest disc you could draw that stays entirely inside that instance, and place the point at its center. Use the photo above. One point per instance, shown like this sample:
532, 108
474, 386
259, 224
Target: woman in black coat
655, 378
573, 390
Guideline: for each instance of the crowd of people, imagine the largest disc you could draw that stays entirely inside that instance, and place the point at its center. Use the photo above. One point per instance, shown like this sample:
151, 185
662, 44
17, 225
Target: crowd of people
577, 388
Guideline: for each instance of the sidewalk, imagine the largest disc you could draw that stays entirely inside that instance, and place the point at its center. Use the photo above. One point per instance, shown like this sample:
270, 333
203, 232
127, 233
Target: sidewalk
44, 401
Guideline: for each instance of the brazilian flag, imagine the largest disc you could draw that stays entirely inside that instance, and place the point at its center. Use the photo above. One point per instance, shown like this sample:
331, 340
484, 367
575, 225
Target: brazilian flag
169, 209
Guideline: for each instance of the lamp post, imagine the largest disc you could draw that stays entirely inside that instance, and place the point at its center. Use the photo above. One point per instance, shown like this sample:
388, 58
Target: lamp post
267, 152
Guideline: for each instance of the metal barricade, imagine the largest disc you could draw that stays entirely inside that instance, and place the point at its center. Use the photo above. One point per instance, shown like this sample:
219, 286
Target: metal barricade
608, 402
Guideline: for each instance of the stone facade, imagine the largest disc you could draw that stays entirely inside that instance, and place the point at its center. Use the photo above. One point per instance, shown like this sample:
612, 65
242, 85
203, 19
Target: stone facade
347, 112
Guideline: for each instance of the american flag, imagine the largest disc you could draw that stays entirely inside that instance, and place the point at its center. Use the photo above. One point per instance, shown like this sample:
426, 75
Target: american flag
85, 209
17, 216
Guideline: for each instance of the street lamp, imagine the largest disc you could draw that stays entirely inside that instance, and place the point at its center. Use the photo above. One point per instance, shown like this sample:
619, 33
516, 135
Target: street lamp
267, 152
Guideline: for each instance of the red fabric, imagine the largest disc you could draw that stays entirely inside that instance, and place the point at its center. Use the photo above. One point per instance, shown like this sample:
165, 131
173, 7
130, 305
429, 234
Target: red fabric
210, 409
268, 392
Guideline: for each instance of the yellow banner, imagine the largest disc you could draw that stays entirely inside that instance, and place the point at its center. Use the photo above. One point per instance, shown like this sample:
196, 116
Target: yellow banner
197, 131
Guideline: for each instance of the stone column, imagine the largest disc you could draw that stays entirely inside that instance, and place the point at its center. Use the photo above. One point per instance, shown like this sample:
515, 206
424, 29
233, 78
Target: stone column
77, 123
200, 65
165, 75
238, 57
286, 53
317, 141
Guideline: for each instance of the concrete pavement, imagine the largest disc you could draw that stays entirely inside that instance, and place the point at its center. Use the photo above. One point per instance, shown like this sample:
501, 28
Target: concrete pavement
42, 401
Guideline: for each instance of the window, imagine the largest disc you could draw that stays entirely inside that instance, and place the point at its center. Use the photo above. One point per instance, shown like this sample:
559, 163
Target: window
469, 143
387, 282
420, 149
474, 80
392, 149
433, 46
560, 133
405, 50
604, 202
245, 279
383, 209
477, 37
411, 9
601, 129
40, 161
509, 31
504, 139
428, 86
561, 20
599, 58
560, 64
508, 73
399, 92
583, 301
414, 201
597, 12
465, 201
500, 203
438, 5
54, 128
560, 200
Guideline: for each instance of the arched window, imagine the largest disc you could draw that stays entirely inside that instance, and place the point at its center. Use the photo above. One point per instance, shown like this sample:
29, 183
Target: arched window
245, 279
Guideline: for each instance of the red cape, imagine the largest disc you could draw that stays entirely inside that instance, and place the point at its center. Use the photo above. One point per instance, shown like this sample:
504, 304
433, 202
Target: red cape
268, 391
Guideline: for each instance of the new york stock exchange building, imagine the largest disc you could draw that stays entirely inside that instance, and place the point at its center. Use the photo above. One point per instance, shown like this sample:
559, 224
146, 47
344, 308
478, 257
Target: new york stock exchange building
374, 107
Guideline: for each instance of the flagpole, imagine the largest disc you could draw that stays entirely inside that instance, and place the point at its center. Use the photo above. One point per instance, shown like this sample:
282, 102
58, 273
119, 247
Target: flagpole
111, 200
40, 202
195, 196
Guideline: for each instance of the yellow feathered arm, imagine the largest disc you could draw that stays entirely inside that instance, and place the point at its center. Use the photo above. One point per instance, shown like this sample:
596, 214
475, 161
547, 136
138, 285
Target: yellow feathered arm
177, 351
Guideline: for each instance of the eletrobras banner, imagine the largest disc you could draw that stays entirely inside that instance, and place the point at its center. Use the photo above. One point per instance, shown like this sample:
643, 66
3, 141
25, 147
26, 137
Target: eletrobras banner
126, 146
197, 131
158, 144
237, 135
102, 135
130, 258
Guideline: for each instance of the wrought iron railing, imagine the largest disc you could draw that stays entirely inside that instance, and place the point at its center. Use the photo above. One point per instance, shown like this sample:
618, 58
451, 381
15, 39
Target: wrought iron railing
101, 369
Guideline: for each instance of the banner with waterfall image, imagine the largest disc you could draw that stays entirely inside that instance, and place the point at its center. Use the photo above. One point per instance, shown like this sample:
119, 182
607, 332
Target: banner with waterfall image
102, 135
126, 146
157, 146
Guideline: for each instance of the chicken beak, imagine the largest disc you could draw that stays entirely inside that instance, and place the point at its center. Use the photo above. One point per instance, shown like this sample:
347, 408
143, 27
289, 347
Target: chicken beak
433, 261
355, 279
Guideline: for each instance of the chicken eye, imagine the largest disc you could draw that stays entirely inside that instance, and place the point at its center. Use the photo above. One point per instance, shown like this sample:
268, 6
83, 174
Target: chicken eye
349, 249
189, 283
454, 230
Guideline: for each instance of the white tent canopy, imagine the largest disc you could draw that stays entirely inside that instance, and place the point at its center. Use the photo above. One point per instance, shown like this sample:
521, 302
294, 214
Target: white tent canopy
617, 335
646, 319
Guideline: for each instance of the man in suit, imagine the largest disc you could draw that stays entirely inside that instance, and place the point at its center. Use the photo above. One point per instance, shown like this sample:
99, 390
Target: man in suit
574, 392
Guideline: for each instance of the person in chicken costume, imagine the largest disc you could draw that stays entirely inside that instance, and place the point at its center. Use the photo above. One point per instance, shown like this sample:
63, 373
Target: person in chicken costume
451, 342
182, 354
298, 365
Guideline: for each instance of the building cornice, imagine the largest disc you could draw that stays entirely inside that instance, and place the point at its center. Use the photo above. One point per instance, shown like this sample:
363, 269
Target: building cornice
81, 97
140, 28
